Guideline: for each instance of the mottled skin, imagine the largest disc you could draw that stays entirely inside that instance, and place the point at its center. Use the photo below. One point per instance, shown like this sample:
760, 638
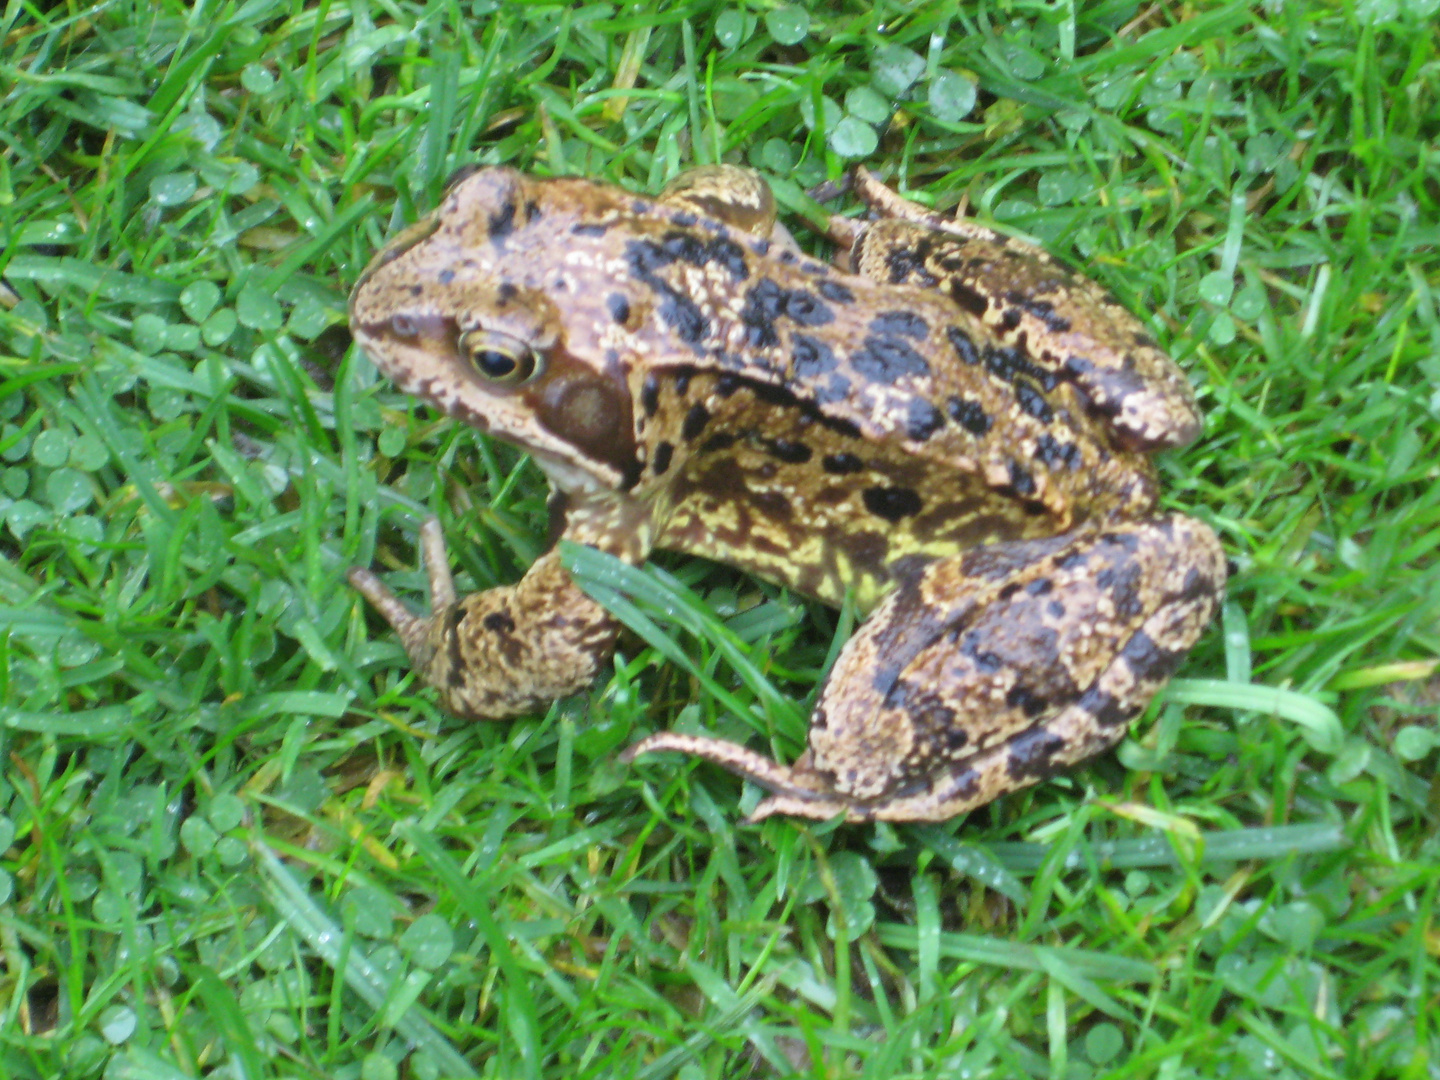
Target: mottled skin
955, 434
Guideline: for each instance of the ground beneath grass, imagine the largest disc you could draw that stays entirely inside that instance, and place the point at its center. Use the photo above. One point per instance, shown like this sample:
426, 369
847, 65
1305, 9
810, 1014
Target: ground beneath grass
237, 839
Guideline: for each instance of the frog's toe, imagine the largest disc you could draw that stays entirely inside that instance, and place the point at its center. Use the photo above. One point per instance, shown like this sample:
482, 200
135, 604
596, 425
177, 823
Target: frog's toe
409, 626
434, 559
796, 790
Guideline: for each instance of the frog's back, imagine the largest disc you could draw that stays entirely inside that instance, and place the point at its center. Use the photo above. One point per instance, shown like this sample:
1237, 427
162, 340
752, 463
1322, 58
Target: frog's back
776, 413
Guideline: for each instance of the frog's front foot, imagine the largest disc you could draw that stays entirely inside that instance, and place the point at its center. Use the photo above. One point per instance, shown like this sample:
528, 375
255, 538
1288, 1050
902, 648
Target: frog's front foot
988, 672
503, 652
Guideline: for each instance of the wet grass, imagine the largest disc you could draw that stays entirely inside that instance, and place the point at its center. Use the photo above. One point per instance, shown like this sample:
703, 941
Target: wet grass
236, 838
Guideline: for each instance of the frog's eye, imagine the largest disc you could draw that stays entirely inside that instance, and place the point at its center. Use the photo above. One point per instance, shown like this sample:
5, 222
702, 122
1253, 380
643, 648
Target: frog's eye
500, 358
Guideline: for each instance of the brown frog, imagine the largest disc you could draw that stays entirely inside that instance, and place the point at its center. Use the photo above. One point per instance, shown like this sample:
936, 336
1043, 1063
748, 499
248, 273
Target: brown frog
954, 432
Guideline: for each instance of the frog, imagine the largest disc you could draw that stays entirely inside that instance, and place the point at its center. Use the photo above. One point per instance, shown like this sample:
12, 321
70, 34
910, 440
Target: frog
944, 426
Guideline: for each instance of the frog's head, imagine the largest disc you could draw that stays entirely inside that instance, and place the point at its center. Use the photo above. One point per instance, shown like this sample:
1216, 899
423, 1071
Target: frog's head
480, 310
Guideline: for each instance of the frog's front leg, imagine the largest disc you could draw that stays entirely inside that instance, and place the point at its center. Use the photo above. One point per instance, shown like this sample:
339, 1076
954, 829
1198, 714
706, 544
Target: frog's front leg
987, 672
502, 652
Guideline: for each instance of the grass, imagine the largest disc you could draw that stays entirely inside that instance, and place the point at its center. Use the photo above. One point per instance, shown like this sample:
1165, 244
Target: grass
236, 839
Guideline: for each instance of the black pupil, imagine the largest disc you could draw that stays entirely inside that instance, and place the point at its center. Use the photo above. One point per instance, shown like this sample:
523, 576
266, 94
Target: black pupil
494, 364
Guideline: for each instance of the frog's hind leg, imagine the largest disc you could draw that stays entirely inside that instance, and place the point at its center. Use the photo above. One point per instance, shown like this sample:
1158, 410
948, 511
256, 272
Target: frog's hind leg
503, 652
989, 672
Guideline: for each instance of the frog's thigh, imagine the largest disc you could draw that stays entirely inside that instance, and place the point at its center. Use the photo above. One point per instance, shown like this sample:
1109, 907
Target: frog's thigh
992, 671
505, 651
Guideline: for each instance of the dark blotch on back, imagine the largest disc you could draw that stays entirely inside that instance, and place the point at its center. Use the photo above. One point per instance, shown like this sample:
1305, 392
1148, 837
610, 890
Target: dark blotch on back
789, 451
964, 345
678, 311
589, 228
619, 308
695, 421
1106, 708
683, 316
650, 394
922, 420
1011, 365
894, 504
835, 388
900, 322
1042, 310
806, 309
1052, 453
763, 303
630, 474
835, 292
767, 301
1022, 482
1147, 659
888, 359
908, 264
1032, 754
720, 250
502, 223
663, 453
988, 662
811, 357
972, 301
499, 622
1033, 402
840, 464
969, 415
1026, 700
